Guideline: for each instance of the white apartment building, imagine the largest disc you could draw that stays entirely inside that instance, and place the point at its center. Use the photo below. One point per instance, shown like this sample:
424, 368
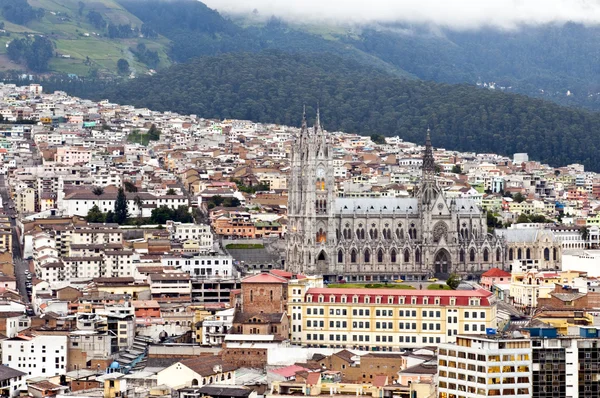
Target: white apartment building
201, 266
38, 356
485, 366
184, 232
215, 327
79, 203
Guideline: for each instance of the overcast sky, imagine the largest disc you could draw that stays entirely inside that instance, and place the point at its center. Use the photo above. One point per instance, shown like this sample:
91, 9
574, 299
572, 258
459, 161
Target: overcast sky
451, 13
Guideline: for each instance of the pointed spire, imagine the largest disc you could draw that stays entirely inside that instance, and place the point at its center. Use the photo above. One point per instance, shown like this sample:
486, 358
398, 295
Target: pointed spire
304, 127
428, 160
318, 119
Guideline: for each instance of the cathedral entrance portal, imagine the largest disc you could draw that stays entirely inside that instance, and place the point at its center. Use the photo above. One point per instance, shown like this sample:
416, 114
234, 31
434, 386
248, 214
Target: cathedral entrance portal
442, 263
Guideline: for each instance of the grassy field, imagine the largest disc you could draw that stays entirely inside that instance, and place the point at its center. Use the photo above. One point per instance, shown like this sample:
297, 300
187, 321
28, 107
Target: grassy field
245, 246
370, 286
438, 286
67, 28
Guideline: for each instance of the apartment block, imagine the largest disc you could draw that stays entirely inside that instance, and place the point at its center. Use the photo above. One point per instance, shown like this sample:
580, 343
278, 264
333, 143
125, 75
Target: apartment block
388, 319
38, 356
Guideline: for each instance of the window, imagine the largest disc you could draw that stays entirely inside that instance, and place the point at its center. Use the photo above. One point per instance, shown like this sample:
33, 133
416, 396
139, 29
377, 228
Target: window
340, 256
367, 256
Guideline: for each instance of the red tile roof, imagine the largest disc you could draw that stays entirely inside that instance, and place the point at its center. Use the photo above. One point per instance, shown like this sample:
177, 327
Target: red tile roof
313, 378
380, 380
289, 371
462, 296
495, 273
264, 278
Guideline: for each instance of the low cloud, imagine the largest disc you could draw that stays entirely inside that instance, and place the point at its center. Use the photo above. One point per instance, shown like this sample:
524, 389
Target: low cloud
458, 14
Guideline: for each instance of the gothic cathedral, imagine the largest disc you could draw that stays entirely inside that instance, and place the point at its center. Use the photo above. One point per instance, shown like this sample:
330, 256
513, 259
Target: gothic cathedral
376, 239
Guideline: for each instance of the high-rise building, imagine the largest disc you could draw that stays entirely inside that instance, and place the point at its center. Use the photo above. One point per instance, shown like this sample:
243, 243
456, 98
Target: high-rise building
540, 365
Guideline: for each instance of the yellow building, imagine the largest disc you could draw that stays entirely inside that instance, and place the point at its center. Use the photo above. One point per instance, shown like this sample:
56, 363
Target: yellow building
25, 200
388, 319
5, 234
526, 287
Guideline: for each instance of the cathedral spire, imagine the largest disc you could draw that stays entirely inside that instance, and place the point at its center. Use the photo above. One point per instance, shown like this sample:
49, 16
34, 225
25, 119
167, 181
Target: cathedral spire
318, 120
428, 161
304, 124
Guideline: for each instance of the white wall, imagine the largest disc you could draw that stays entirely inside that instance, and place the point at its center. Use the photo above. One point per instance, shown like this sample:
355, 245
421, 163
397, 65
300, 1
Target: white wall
41, 356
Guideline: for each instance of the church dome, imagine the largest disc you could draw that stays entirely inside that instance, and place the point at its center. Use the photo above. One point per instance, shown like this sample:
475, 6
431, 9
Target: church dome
115, 365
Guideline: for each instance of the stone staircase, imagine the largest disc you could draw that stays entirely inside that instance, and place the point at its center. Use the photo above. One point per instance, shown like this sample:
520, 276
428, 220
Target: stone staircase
135, 357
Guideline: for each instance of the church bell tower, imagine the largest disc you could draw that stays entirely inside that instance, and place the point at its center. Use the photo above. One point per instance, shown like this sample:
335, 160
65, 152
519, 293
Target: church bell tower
311, 234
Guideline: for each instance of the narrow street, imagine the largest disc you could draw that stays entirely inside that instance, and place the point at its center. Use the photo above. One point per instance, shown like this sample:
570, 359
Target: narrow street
20, 265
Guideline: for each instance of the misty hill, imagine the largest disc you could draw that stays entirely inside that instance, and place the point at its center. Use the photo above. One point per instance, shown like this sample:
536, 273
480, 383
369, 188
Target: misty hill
272, 86
549, 61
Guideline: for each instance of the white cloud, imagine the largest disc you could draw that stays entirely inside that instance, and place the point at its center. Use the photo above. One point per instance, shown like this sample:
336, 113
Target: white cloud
461, 14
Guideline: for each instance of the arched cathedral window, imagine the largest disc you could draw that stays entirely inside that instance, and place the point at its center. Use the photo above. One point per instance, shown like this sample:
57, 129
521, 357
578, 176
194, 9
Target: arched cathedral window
321, 236
498, 255
417, 256
472, 255
486, 255
353, 256
519, 254
340, 256
367, 256
554, 254
462, 256
528, 254
510, 254
393, 256
406, 256
380, 256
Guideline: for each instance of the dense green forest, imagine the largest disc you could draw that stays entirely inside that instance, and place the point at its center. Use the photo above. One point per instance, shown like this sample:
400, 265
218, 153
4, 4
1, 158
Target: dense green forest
272, 86
196, 30
543, 61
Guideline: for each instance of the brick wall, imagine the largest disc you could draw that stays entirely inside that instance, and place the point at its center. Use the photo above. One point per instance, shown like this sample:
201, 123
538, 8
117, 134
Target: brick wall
245, 357
264, 297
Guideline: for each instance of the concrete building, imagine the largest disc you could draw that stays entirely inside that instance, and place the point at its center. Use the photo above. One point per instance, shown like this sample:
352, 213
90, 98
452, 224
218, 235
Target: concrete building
541, 364
479, 366
37, 356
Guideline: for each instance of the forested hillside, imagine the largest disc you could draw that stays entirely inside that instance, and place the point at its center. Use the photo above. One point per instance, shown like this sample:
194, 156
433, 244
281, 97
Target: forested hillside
272, 86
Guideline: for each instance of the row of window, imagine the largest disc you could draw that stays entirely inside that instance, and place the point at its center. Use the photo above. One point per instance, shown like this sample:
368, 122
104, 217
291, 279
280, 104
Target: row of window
378, 339
385, 312
473, 301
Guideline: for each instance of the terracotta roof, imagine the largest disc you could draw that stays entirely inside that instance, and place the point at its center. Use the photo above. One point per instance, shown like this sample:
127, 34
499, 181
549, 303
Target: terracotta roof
288, 371
495, 273
313, 378
264, 278
380, 380
204, 365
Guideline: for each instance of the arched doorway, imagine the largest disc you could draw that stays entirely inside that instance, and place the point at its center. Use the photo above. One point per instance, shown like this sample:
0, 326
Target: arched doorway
442, 262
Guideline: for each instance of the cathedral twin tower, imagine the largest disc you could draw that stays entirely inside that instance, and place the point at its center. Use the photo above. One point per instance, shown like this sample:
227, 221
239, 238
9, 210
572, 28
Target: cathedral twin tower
370, 239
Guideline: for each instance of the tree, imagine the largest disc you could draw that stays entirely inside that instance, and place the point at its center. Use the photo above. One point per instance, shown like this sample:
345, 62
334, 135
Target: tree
585, 233
110, 217
130, 187
139, 203
453, 281
121, 210
171, 191
457, 169
492, 221
378, 139
95, 215
518, 197
97, 191
522, 219
123, 66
